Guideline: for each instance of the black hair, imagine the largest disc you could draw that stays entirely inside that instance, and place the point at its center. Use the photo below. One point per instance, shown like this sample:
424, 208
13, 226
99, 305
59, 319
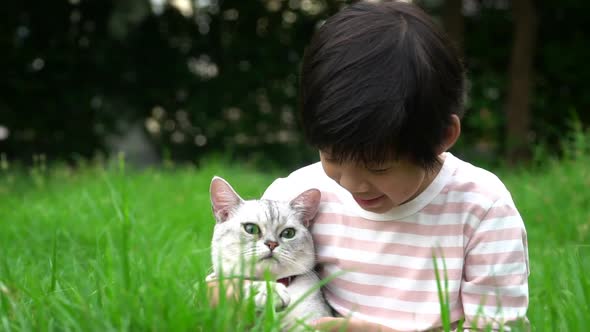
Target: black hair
379, 82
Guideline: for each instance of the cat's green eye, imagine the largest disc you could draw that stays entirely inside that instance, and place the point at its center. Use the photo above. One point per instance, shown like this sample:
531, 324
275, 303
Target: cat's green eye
251, 228
288, 233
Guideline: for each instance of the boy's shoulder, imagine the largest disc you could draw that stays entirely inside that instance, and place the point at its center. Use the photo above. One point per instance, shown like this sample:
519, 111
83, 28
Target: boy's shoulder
313, 171
307, 177
469, 178
310, 176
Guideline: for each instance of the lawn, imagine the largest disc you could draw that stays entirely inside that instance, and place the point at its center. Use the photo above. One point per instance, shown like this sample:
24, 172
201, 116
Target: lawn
101, 248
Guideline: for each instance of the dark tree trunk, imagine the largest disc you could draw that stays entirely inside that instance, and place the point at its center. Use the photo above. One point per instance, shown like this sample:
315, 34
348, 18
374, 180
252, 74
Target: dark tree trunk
518, 118
453, 22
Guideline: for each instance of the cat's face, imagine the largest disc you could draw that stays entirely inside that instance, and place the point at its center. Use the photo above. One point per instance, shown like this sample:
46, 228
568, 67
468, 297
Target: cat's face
254, 236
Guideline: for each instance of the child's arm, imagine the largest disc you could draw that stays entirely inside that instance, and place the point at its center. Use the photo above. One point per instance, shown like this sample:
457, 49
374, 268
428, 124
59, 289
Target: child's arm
494, 290
332, 324
236, 289
229, 286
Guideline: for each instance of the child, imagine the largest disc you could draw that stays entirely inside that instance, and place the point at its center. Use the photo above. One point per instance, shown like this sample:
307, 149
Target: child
381, 99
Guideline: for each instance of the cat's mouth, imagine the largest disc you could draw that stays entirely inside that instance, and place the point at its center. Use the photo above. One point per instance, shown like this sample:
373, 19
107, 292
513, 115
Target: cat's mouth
268, 256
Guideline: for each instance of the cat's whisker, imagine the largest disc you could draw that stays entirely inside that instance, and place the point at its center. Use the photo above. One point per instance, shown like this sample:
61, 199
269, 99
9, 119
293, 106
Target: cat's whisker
291, 260
252, 253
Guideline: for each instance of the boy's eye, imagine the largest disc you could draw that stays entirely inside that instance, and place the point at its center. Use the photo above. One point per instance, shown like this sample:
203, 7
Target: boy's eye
288, 233
379, 170
251, 228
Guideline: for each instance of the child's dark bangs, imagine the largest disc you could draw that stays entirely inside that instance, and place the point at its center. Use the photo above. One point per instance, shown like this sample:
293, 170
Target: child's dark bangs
374, 153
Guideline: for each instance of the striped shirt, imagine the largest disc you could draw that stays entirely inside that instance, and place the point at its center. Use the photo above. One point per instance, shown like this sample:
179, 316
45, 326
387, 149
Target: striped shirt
384, 265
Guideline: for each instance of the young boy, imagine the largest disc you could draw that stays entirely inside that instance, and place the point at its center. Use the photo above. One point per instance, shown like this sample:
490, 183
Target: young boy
381, 99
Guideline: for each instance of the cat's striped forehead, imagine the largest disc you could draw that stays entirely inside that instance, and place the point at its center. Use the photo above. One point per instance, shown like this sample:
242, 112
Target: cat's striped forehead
266, 211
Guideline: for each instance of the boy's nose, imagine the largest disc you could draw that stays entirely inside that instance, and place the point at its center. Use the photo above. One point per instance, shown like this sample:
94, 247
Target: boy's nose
352, 183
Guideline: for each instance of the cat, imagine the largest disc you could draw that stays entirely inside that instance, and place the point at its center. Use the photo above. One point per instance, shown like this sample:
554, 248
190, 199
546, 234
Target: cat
271, 236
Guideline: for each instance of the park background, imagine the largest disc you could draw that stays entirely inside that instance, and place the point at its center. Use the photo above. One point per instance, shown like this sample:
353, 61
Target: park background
181, 80
114, 116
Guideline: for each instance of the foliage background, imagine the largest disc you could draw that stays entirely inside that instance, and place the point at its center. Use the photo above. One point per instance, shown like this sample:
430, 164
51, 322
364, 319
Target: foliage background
181, 80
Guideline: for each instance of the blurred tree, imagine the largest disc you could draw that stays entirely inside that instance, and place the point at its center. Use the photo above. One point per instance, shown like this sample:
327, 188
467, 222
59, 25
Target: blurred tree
525, 92
211, 76
239, 96
453, 22
518, 108
562, 78
67, 79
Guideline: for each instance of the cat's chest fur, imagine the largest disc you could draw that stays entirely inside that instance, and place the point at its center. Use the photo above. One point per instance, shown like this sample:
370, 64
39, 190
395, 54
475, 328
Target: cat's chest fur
313, 306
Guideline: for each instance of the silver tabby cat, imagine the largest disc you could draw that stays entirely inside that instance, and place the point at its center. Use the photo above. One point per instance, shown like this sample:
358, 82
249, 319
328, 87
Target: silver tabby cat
254, 236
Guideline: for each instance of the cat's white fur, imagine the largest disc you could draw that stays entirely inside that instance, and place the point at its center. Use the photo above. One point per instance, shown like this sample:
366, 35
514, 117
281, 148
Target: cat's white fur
235, 252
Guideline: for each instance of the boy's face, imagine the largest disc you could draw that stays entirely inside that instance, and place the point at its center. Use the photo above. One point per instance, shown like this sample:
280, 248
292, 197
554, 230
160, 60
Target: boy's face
378, 188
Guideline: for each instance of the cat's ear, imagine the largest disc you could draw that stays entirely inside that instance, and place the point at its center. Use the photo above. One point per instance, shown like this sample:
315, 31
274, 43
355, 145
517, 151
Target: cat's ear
224, 199
307, 203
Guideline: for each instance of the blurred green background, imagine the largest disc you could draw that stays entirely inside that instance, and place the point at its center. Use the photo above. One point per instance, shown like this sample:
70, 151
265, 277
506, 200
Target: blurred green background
182, 80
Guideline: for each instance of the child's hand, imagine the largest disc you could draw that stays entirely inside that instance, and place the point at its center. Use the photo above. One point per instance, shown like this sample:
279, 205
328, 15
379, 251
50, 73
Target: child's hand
229, 287
335, 324
259, 290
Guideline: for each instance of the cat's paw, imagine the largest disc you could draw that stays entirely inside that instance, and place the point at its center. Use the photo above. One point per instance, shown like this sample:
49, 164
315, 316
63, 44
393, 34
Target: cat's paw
259, 290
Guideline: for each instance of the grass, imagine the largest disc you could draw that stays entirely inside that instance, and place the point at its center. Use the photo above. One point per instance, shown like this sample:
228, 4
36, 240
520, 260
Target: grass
105, 249
555, 205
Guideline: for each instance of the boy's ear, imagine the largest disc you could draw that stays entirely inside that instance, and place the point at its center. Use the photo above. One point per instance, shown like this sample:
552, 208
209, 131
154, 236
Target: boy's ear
307, 203
224, 199
452, 134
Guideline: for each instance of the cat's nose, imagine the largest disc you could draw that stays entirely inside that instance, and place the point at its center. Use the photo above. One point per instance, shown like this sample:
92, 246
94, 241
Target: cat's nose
271, 245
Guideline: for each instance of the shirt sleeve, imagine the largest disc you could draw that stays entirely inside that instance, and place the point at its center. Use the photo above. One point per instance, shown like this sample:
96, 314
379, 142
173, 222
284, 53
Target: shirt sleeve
278, 190
494, 289
287, 188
